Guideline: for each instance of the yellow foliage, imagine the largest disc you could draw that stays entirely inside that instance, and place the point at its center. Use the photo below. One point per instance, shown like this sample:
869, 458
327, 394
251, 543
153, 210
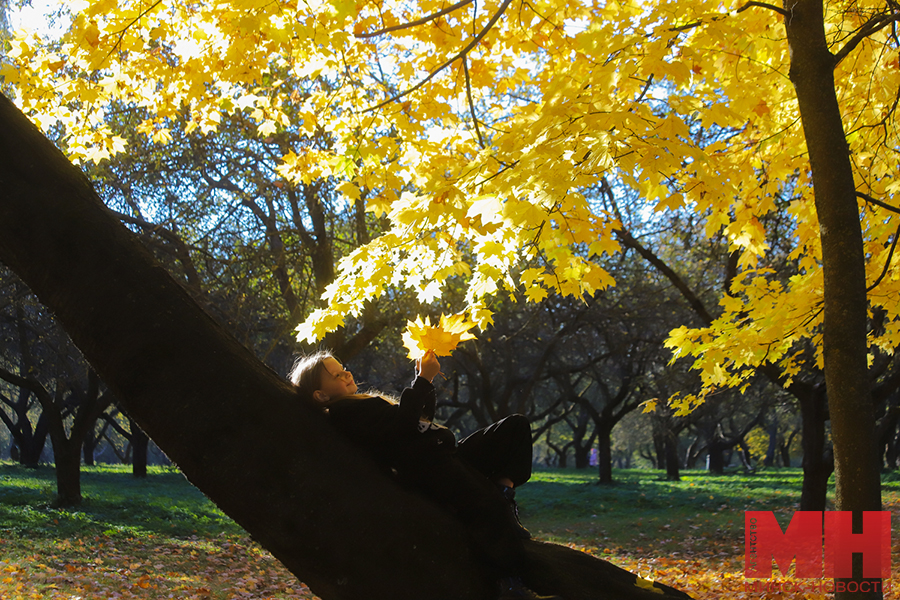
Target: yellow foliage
567, 95
758, 442
421, 336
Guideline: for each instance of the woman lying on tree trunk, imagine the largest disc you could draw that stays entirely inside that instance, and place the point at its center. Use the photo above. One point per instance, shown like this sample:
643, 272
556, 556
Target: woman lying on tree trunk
474, 479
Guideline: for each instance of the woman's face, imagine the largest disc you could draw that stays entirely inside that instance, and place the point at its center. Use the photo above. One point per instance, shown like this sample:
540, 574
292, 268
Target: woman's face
336, 381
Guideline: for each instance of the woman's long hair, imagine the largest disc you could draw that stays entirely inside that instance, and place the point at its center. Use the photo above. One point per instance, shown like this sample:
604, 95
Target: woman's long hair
307, 372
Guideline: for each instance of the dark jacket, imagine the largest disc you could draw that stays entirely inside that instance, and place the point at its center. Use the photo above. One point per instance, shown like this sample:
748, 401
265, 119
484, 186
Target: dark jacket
393, 432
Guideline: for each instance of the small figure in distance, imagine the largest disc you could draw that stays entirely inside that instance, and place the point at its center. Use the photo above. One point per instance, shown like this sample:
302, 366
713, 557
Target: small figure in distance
475, 479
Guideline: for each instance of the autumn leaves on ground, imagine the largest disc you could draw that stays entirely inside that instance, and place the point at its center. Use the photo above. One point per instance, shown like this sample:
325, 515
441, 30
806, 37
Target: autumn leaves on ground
160, 538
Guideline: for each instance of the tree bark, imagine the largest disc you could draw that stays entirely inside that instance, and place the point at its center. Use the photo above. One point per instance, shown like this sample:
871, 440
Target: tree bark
582, 444
88, 446
772, 432
604, 453
236, 429
673, 472
715, 457
817, 468
87, 407
29, 443
858, 483
659, 448
785, 449
67, 461
139, 442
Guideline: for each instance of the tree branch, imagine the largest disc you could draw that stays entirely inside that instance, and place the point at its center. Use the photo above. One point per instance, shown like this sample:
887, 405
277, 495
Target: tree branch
236, 429
887, 263
417, 22
877, 202
449, 62
182, 251
646, 87
696, 304
465, 63
121, 33
39, 391
869, 27
753, 3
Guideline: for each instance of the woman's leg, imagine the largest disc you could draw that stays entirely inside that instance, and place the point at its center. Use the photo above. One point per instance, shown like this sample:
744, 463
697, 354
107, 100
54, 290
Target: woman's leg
474, 500
501, 451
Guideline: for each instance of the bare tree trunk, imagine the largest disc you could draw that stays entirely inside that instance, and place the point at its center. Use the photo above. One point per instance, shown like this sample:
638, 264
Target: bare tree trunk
139, 443
67, 460
88, 446
858, 483
604, 454
673, 472
817, 467
772, 432
715, 457
30, 444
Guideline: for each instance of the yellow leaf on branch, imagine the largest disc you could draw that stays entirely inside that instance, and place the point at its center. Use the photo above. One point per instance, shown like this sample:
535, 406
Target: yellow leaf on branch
421, 336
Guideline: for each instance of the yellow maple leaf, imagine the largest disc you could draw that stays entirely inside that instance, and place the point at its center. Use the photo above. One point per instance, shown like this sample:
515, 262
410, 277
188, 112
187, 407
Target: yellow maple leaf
421, 336
649, 406
647, 585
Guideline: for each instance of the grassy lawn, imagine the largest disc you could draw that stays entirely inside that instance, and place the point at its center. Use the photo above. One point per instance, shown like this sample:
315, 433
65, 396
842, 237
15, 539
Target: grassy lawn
161, 538
642, 514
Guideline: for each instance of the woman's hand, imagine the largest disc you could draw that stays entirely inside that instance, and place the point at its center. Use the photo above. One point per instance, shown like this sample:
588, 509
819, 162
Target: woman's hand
428, 366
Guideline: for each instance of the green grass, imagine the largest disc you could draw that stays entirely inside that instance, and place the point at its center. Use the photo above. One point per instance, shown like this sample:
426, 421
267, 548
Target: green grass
114, 503
642, 514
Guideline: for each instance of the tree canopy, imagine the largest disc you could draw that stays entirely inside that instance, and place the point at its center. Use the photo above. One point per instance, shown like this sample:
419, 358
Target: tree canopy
483, 131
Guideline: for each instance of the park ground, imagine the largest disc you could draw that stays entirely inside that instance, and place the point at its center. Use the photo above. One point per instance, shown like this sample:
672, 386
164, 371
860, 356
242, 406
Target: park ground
161, 538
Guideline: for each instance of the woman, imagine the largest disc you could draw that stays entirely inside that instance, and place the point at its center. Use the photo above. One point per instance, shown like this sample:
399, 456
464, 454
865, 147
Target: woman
474, 479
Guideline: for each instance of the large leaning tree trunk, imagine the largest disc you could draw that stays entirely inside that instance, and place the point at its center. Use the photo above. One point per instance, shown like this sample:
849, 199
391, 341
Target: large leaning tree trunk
235, 428
858, 483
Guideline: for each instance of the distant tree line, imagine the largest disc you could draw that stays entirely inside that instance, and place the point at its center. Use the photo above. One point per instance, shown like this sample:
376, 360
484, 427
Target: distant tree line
257, 253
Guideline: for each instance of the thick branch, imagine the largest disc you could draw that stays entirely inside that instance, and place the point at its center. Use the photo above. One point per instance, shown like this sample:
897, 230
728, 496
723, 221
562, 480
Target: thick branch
29, 384
771, 7
695, 303
877, 202
237, 430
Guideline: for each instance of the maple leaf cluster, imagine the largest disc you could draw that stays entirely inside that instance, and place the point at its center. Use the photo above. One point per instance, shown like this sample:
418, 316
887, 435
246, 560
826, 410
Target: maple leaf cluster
421, 336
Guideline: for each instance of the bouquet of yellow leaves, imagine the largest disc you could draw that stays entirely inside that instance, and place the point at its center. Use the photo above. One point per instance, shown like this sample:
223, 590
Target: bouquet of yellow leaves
421, 336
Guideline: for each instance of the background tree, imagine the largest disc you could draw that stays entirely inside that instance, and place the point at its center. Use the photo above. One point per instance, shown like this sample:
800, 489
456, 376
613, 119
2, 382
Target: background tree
20, 410
257, 252
47, 389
